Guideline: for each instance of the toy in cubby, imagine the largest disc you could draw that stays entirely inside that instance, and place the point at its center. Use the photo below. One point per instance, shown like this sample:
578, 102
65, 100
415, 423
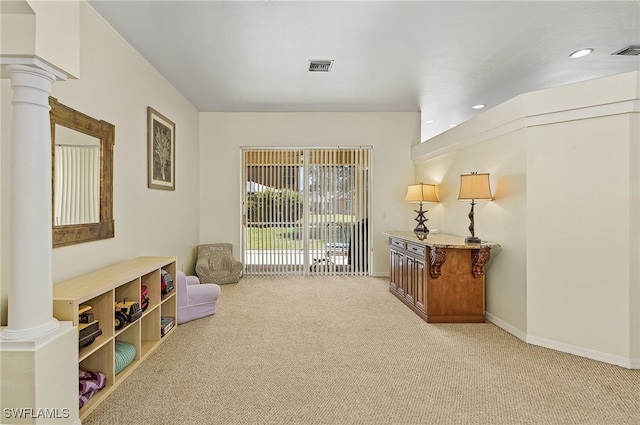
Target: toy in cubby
125, 353
166, 324
88, 327
166, 282
144, 297
126, 312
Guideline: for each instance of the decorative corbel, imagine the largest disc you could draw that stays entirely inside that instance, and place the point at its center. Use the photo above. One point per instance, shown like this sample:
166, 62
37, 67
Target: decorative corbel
479, 258
437, 256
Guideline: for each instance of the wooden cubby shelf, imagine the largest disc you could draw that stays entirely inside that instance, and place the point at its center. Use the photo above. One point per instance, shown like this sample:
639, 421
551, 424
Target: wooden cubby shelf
100, 290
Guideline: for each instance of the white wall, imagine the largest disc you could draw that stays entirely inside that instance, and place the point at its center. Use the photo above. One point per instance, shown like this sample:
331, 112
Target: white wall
117, 85
223, 134
583, 184
578, 175
564, 165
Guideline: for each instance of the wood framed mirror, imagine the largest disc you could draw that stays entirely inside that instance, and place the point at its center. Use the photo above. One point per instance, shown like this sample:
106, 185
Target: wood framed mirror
82, 176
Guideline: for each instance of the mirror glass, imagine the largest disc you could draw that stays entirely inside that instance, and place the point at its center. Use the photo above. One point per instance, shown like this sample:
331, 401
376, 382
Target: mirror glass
76, 184
82, 176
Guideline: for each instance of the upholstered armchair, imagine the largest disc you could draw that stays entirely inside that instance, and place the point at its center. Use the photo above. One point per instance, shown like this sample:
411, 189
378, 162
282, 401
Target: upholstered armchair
216, 264
196, 300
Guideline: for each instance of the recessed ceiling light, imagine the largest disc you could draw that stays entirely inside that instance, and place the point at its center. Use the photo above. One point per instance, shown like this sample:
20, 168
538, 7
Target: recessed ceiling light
478, 106
452, 125
580, 53
429, 121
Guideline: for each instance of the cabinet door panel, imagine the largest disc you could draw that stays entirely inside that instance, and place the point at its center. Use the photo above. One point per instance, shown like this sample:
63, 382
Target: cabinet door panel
411, 280
420, 293
394, 273
402, 274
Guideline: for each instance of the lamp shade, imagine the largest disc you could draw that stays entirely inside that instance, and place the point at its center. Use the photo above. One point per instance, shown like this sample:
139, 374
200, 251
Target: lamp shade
421, 192
475, 186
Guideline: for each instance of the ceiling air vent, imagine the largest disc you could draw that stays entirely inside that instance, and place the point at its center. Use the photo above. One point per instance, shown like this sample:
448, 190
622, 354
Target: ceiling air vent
320, 65
628, 51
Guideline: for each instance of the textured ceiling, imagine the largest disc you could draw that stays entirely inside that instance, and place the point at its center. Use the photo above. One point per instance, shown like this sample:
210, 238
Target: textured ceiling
438, 57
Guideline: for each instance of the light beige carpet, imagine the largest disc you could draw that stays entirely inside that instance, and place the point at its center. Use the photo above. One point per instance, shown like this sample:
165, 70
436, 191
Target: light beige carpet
344, 350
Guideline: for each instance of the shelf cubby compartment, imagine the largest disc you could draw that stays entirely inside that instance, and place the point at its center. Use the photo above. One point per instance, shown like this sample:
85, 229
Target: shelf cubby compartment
102, 309
99, 361
130, 334
150, 332
169, 309
152, 282
129, 291
171, 269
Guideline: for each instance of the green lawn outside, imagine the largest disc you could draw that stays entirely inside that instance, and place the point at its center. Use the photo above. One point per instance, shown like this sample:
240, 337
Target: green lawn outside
290, 236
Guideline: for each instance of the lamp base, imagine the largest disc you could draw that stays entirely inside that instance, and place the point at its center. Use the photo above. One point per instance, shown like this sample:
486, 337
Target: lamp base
421, 232
472, 239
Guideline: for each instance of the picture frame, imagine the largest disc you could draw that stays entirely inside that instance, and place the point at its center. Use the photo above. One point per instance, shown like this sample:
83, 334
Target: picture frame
161, 151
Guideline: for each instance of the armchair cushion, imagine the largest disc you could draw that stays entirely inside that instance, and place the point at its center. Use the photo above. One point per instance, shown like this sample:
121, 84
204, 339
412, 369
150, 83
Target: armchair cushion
215, 264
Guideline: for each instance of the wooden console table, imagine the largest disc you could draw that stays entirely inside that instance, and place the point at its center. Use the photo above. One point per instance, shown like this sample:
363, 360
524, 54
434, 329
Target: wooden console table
440, 278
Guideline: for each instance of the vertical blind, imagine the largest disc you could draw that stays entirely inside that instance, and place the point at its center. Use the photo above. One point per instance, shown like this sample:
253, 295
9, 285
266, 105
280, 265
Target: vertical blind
306, 210
77, 185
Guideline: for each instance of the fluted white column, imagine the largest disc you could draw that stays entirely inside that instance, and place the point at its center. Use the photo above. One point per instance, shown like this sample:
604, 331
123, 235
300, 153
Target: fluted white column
30, 290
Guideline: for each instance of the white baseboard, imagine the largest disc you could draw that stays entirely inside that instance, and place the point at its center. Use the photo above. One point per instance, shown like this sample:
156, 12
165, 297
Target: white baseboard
625, 362
506, 326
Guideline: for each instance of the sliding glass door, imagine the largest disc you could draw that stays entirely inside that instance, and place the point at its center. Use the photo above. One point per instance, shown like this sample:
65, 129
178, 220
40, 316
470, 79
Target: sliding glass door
306, 210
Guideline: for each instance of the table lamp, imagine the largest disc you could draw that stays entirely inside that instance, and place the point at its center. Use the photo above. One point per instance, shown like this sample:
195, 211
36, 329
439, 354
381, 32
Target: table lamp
474, 187
420, 193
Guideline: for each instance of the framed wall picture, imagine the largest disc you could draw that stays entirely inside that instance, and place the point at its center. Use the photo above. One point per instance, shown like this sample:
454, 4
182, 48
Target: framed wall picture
161, 151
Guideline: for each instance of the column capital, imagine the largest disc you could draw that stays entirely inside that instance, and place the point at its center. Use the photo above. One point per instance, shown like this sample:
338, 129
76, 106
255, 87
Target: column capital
32, 70
31, 63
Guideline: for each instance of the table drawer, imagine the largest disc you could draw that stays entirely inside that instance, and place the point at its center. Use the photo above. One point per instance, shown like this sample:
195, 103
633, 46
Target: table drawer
397, 243
417, 250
